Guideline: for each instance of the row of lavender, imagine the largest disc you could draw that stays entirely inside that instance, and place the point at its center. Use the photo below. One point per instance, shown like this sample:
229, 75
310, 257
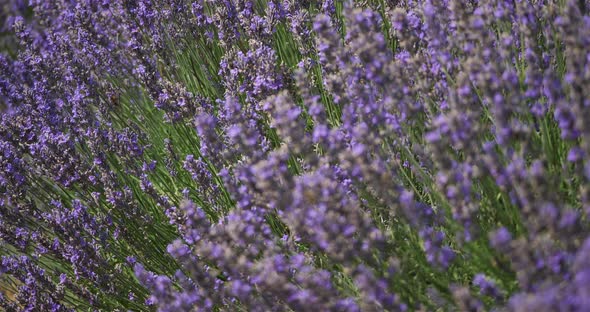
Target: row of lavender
295, 155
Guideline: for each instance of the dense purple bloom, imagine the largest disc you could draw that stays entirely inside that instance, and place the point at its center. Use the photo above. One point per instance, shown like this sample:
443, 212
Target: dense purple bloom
294, 155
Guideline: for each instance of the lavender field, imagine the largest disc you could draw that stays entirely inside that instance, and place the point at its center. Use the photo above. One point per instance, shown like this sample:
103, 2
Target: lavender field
287, 155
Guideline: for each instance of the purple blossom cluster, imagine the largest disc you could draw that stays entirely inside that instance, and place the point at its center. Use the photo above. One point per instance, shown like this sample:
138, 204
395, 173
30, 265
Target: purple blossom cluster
295, 155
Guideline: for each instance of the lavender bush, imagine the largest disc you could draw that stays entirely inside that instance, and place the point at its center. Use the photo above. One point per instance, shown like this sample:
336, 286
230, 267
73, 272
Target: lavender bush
242, 155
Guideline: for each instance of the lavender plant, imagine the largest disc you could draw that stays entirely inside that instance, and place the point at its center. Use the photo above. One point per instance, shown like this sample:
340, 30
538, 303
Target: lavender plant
279, 155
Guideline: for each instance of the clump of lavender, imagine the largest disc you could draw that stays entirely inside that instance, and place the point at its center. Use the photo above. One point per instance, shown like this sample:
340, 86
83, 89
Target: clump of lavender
294, 155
